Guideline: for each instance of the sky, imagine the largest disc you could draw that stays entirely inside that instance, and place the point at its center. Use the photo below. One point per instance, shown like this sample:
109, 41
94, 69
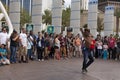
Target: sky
67, 3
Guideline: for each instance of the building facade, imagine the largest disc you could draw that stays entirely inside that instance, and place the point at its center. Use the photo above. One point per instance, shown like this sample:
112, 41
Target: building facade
103, 3
27, 5
47, 4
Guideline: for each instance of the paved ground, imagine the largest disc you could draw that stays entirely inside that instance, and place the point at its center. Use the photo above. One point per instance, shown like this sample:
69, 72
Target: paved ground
61, 70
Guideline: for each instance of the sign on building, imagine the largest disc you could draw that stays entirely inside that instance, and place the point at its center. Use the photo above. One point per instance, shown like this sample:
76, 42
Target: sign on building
50, 29
29, 27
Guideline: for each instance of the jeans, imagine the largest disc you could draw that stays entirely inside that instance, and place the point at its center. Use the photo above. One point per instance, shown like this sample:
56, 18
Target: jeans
13, 54
112, 53
100, 53
29, 53
87, 58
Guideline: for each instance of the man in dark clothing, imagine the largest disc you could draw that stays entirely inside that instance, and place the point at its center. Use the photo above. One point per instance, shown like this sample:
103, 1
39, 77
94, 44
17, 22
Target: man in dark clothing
87, 56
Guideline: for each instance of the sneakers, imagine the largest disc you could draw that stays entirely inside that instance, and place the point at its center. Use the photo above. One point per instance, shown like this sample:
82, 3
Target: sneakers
84, 71
40, 60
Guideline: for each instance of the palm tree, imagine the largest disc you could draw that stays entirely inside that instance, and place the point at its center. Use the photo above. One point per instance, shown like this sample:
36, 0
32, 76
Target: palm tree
24, 17
47, 17
117, 14
63, 1
66, 17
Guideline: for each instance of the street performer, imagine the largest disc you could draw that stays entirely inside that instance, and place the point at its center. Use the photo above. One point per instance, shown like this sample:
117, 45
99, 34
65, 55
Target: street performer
87, 56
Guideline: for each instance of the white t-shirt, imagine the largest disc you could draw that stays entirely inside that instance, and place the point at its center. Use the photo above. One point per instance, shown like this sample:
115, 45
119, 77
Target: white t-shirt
3, 38
28, 45
57, 42
23, 38
99, 46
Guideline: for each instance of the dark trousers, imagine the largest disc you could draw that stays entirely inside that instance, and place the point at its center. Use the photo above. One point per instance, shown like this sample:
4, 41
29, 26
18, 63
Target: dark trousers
40, 52
87, 58
112, 53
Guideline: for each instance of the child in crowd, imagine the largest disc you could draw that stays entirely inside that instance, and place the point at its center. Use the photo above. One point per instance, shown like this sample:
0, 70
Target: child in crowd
99, 48
3, 55
105, 51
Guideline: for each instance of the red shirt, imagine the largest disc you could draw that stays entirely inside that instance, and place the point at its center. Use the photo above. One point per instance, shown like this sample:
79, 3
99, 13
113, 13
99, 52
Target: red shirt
92, 46
111, 43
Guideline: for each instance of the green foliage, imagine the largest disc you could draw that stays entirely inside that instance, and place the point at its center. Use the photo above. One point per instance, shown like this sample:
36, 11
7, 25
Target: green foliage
117, 13
116, 36
81, 11
47, 17
100, 24
63, 1
24, 17
66, 17
85, 26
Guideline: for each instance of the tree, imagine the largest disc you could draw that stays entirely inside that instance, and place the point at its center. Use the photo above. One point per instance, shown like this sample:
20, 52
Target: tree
47, 17
100, 25
85, 26
117, 14
24, 17
66, 17
63, 1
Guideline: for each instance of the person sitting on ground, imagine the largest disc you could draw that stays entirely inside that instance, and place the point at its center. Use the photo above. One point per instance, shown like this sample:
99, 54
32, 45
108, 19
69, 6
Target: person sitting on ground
3, 55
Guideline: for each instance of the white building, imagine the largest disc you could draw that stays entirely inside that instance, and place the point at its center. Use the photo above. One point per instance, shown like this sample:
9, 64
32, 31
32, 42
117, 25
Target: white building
47, 4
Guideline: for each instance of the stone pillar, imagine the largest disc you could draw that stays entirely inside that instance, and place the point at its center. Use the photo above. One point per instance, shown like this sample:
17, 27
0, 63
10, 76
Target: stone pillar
37, 15
92, 16
108, 20
57, 15
75, 16
14, 13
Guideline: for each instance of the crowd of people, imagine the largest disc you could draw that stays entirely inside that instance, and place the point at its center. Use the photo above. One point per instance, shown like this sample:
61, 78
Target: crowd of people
25, 46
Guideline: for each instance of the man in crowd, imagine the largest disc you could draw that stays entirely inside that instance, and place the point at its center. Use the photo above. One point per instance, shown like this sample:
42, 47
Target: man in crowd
4, 36
87, 56
23, 46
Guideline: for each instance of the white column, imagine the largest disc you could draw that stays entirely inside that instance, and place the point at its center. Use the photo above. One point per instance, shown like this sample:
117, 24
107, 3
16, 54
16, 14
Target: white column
30, 9
92, 16
108, 20
57, 15
14, 13
75, 16
22, 4
37, 15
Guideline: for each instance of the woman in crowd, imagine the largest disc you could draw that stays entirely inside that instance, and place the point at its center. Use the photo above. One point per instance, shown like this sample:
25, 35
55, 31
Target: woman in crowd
99, 48
78, 46
40, 47
57, 48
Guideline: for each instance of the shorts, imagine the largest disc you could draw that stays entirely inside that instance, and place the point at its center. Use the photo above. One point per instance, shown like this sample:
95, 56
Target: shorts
77, 48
